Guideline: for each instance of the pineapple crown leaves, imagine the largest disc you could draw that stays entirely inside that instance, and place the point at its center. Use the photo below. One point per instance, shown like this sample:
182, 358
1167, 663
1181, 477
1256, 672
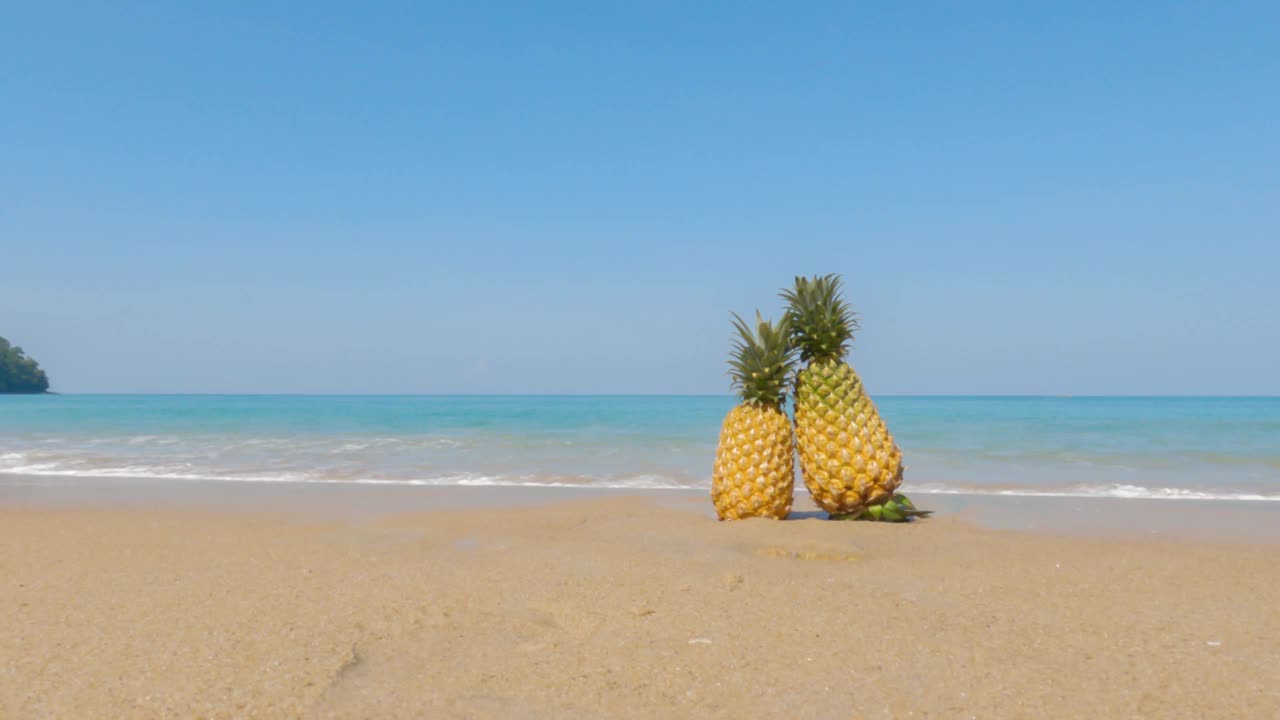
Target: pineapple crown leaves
822, 322
762, 360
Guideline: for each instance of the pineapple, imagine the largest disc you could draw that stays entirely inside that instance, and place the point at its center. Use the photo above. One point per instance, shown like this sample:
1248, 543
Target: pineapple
755, 469
848, 457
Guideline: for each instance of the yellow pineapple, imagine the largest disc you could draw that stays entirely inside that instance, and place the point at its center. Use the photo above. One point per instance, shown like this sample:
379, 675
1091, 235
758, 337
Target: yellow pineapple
755, 469
848, 458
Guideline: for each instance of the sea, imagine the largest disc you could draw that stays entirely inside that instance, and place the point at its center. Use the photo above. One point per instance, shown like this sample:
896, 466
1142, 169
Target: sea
1168, 448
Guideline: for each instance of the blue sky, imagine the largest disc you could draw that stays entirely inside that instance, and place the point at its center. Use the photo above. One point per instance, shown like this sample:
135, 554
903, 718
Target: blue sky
572, 197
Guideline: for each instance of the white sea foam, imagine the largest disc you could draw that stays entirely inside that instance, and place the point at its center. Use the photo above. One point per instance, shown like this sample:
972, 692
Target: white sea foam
640, 482
632, 482
377, 461
350, 447
1125, 492
17, 463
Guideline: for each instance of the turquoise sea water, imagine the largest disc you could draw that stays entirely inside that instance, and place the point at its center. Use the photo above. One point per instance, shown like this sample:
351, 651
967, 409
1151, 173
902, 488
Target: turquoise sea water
1174, 448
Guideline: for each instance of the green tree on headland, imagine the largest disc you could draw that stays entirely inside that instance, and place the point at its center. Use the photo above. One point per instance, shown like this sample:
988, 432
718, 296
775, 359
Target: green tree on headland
19, 373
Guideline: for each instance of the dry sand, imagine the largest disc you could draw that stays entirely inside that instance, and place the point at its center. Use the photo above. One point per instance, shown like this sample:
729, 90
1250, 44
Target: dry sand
620, 607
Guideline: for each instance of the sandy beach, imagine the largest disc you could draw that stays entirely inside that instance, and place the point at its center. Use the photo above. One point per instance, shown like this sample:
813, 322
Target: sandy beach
618, 606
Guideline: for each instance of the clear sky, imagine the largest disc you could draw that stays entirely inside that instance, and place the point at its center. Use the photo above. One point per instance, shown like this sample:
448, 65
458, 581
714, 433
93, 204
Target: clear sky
571, 197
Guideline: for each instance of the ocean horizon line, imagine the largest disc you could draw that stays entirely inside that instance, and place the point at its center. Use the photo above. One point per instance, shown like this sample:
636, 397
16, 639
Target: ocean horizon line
1036, 396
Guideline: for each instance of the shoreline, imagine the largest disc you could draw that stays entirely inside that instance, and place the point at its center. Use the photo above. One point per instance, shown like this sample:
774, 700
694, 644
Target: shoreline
1192, 519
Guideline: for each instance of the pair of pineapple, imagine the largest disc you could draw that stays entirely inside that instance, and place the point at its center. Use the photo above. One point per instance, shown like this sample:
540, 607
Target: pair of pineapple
850, 462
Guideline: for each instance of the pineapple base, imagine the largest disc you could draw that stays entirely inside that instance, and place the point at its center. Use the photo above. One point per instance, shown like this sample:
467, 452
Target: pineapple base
897, 509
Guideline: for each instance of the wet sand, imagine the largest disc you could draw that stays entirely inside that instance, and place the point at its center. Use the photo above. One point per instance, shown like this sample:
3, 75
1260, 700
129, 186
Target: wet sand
602, 605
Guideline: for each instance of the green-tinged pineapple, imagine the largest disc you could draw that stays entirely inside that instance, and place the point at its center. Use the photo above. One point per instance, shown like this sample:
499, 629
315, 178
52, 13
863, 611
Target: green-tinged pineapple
754, 474
847, 455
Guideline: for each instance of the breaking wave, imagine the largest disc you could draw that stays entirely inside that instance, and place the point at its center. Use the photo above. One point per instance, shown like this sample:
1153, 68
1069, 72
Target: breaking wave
1125, 492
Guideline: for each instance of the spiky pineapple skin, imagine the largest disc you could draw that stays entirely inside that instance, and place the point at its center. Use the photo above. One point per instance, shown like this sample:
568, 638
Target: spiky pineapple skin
847, 455
754, 474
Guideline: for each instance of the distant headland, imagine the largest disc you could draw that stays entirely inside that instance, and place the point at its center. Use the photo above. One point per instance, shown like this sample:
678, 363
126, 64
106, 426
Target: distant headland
19, 373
